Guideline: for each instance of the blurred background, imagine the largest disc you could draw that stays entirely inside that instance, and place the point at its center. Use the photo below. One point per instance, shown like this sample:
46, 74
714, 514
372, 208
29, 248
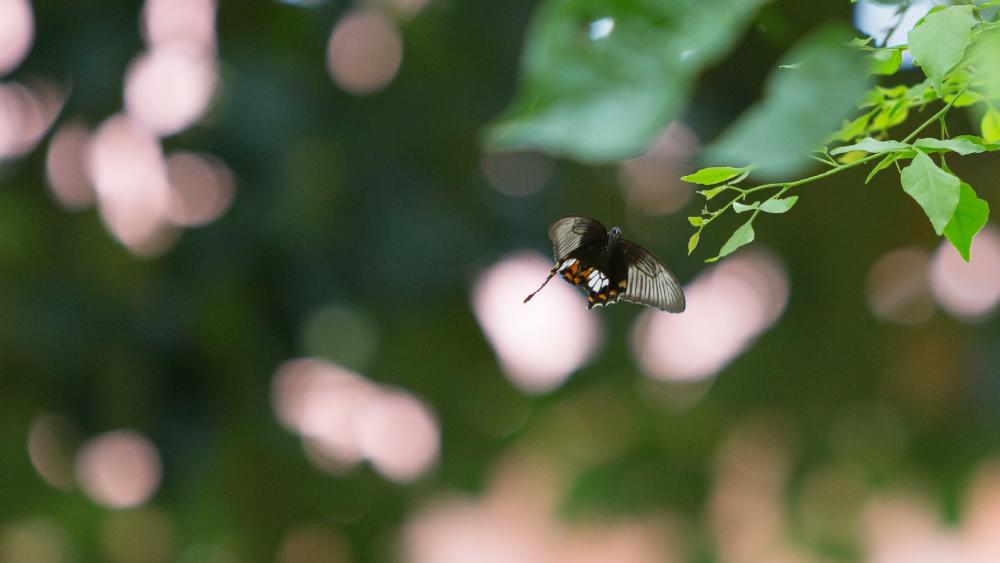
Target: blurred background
260, 292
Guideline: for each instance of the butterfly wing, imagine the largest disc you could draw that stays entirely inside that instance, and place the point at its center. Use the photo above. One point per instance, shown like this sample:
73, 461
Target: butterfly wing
572, 232
583, 268
649, 282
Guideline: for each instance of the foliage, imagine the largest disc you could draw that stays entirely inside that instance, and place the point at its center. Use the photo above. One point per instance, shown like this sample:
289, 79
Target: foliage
601, 78
606, 98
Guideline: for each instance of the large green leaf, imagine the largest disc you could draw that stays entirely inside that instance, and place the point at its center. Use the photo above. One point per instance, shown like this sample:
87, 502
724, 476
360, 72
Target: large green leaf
939, 41
934, 189
885, 61
741, 237
873, 146
986, 58
969, 218
713, 175
962, 146
779, 205
800, 107
602, 78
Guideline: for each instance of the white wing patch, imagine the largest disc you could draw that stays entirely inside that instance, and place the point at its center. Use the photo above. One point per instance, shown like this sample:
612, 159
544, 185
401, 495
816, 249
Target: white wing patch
597, 281
567, 264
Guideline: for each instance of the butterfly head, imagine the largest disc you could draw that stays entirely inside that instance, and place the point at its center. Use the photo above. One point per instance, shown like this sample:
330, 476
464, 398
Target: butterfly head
614, 234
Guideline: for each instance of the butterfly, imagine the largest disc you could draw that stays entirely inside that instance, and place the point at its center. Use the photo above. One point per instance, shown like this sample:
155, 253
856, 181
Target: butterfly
609, 267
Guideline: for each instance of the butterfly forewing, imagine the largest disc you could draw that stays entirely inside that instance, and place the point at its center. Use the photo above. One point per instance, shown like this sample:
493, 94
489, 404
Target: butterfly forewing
574, 232
649, 281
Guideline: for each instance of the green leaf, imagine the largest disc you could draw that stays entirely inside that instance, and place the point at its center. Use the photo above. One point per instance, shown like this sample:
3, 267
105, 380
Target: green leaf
987, 146
938, 43
894, 92
987, 63
991, 126
743, 236
709, 194
883, 164
740, 207
885, 61
713, 175
892, 116
605, 92
970, 216
934, 189
852, 129
779, 205
696, 221
965, 100
873, 146
798, 109
693, 241
962, 146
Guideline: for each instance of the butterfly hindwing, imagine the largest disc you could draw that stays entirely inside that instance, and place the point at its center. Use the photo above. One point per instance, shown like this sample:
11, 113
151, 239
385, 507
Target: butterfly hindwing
649, 282
603, 280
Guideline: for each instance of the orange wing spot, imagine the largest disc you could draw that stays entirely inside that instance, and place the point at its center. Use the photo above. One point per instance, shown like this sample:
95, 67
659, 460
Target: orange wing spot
613, 292
586, 273
590, 298
602, 297
623, 284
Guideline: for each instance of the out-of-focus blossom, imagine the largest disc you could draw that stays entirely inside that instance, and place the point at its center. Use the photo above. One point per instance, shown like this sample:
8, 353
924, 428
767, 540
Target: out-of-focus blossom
364, 52
746, 513
399, 435
126, 167
190, 23
539, 343
652, 182
969, 290
345, 418
727, 308
902, 526
118, 469
898, 287
981, 510
516, 521
17, 31
26, 114
51, 445
201, 189
168, 89
516, 174
66, 168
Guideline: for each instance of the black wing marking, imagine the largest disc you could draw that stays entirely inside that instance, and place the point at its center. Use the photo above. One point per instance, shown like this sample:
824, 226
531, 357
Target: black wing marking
571, 232
649, 282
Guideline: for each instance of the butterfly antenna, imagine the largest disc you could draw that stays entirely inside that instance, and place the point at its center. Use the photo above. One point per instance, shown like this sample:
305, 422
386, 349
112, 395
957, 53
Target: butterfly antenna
552, 273
613, 217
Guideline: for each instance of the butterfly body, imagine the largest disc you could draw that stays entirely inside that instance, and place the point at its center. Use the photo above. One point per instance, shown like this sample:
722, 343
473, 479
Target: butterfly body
600, 269
609, 267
